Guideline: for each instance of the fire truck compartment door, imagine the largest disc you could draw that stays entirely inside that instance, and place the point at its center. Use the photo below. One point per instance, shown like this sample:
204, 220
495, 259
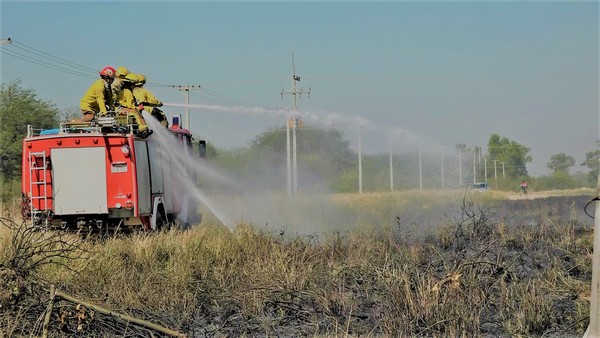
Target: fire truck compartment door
79, 176
143, 177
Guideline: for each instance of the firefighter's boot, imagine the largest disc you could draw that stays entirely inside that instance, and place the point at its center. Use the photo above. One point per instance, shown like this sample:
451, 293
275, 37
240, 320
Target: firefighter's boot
143, 133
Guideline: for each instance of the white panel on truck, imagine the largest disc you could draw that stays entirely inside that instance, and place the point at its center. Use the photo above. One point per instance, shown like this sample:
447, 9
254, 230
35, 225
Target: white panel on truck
156, 168
168, 183
143, 177
79, 176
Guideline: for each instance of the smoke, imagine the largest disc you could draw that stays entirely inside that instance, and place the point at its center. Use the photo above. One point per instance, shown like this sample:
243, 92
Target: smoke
261, 198
253, 200
185, 167
326, 120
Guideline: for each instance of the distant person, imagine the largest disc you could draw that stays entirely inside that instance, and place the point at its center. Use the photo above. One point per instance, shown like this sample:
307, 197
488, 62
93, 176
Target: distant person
150, 103
98, 98
523, 187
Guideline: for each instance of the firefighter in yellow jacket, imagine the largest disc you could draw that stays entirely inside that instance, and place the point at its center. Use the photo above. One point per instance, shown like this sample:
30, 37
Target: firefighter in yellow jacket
96, 99
127, 104
150, 103
118, 82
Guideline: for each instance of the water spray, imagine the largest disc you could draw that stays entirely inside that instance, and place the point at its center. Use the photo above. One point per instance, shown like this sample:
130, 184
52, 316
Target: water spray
189, 166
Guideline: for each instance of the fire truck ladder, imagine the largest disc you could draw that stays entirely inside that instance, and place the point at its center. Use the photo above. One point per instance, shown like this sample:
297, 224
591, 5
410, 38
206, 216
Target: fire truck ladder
41, 184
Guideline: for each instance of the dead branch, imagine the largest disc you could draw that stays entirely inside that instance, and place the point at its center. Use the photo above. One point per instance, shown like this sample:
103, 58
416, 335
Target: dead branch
121, 316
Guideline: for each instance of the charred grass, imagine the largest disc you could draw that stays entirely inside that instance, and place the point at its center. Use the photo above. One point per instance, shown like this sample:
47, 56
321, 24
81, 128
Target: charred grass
474, 275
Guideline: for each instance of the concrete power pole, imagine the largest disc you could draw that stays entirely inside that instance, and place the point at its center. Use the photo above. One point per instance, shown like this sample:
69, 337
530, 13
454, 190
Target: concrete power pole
474, 169
186, 91
391, 168
496, 173
359, 162
593, 329
420, 170
296, 122
485, 169
459, 167
442, 169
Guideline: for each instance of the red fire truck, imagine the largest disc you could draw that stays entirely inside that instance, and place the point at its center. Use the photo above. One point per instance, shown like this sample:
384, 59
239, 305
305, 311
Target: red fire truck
103, 176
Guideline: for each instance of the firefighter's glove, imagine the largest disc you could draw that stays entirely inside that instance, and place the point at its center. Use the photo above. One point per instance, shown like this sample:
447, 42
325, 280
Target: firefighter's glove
160, 104
145, 133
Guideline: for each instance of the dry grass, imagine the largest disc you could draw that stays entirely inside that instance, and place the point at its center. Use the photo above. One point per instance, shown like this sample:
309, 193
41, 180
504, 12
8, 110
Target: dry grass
473, 276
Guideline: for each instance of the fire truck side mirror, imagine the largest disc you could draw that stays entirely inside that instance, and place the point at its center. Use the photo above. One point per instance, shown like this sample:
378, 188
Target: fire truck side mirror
202, 149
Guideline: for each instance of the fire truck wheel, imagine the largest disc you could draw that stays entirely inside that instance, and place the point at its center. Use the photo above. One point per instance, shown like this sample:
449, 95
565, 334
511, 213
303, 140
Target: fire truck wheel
160, 220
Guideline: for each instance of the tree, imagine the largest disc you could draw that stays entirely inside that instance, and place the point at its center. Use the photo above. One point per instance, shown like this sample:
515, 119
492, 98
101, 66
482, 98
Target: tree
514, 155
18, 108
560, 163
592, 160
462, 148
560, 178
322, 155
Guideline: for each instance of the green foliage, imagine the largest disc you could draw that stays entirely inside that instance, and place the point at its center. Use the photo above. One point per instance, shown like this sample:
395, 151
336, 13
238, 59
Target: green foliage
514, 155
9, 189
592, 159
558, 180
18, 108
322, 154
560, 163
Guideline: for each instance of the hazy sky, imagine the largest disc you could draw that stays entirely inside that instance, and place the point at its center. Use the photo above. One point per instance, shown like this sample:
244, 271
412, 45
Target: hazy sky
434, 73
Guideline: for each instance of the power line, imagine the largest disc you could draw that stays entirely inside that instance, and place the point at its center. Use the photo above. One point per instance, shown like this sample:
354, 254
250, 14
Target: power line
26, 58
35, 56
49, 56
226, 98
214, 97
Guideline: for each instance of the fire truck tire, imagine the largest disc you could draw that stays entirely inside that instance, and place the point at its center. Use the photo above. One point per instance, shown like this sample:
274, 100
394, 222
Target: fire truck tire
161, 220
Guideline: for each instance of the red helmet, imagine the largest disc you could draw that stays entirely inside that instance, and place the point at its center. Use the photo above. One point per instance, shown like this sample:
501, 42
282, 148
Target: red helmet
108, 71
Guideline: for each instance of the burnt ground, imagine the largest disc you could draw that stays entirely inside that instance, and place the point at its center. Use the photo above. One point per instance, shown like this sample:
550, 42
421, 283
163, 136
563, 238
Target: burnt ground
227, 320
535, 211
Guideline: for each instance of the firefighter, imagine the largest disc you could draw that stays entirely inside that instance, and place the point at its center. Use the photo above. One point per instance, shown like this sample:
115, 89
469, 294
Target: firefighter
118, 82
127, 104
98, 96
150, 103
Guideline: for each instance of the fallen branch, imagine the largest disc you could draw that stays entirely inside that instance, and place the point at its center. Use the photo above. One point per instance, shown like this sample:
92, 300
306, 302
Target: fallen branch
48, 312
124, 317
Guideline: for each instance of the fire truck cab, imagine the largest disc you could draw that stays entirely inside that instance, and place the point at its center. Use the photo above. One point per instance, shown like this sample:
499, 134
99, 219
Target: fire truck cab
102, 175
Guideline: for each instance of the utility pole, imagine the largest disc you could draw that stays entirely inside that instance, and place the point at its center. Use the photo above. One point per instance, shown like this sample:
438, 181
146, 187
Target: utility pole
186, 91
359, 162
593, 329
459, 167
496, 173
442, 170
474, 169
420, 170
485, 169
296, 122
391, 168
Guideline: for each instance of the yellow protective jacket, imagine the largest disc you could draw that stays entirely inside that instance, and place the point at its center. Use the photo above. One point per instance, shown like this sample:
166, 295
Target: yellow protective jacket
116, 87
125, 99
143, 95
97, 97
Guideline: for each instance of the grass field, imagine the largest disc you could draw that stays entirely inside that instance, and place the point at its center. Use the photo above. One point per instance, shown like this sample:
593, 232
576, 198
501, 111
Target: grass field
472, 274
